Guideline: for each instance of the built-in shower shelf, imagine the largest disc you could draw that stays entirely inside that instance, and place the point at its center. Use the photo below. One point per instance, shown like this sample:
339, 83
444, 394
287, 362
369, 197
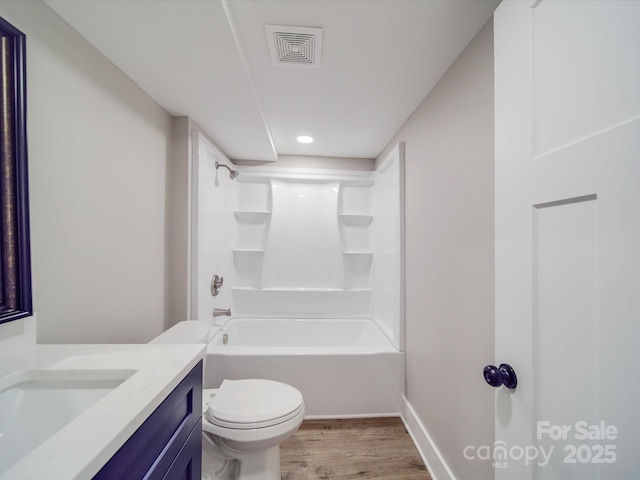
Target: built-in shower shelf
300, 290
355, 219
247, 216
357, 182
248, 251
358, 254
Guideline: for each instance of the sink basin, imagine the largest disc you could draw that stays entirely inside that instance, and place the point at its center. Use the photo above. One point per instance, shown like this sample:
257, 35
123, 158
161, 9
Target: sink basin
35, 404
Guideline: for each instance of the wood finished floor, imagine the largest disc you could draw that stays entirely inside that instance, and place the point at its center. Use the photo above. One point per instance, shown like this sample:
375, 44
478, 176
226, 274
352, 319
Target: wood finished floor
377, 448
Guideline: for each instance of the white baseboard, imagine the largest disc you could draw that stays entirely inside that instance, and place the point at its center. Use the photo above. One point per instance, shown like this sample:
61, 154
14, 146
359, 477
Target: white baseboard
432, 458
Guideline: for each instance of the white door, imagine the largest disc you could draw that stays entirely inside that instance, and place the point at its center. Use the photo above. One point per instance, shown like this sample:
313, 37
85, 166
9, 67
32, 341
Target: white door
567, 99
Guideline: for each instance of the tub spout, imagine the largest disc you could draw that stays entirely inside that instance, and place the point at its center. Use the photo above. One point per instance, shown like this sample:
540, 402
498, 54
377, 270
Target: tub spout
218, 312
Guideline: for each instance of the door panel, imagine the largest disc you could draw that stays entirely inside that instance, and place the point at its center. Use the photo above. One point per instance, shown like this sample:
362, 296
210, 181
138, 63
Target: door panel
565, 320
567, 236
585, 73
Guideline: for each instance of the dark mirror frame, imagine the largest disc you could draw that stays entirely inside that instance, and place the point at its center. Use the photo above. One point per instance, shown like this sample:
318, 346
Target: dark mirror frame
15, 262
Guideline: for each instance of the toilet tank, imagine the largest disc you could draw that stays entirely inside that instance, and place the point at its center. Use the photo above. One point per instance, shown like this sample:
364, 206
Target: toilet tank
187, 331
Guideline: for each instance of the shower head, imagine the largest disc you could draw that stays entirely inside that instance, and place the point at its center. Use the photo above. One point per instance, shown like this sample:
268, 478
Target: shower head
232, 173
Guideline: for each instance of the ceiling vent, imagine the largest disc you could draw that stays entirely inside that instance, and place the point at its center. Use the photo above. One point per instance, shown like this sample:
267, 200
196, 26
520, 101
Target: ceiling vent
295, 45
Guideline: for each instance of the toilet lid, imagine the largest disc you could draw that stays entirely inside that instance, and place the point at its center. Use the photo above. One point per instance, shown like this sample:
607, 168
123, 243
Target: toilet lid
253, 401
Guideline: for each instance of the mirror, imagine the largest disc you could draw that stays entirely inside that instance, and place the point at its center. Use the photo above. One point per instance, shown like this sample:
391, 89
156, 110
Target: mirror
15, 262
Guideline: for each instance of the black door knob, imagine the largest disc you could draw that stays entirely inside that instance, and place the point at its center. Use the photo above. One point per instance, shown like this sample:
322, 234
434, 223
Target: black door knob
502, 375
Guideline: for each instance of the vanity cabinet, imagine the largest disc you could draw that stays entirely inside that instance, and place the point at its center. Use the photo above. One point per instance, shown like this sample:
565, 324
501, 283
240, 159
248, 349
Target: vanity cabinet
168, 445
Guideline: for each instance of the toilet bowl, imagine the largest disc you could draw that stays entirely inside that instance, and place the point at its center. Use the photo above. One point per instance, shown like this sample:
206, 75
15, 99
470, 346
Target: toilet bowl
247, 420
243, 421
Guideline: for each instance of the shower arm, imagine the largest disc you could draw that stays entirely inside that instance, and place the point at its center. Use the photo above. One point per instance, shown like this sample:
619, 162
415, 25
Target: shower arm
232, 173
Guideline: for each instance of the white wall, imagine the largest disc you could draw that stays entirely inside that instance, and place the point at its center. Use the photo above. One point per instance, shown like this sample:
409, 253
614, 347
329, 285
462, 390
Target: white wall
387, 299
187, 137
212, 229
98, 158
15, 337
449, 257
177, 231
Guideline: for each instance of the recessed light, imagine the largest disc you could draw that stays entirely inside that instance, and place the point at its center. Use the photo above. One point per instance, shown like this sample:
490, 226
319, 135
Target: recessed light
305, 139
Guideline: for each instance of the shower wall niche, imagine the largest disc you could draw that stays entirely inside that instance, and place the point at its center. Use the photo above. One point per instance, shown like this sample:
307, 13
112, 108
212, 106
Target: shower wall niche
302, 243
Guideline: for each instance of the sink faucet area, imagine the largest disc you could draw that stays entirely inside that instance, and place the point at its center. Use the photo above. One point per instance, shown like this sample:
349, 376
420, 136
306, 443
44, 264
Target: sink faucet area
65, 410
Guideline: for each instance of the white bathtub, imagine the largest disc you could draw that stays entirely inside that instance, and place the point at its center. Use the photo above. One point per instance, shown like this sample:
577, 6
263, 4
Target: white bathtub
343, 367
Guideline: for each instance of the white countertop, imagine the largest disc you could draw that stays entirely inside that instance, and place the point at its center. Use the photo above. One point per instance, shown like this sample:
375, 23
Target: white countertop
84, 445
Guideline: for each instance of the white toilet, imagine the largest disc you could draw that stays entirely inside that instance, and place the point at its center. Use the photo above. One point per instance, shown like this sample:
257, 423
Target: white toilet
244, 421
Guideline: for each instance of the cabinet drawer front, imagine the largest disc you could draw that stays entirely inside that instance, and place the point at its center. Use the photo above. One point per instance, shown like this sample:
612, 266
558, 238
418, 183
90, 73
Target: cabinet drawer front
188, 463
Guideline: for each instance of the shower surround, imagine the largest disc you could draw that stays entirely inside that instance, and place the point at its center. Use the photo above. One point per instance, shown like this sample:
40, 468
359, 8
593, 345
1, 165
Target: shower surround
301, 243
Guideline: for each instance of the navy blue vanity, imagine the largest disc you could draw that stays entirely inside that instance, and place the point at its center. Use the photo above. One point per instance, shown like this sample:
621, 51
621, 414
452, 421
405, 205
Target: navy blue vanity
168, 445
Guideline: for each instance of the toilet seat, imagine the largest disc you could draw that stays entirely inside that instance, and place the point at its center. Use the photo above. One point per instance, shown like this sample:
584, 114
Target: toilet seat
253, 404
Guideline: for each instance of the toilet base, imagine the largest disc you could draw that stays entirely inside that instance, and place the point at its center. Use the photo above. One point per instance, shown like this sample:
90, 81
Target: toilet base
217, 465
263, 465
219, 462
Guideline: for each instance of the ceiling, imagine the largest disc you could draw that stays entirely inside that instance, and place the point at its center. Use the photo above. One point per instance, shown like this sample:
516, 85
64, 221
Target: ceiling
210, 60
